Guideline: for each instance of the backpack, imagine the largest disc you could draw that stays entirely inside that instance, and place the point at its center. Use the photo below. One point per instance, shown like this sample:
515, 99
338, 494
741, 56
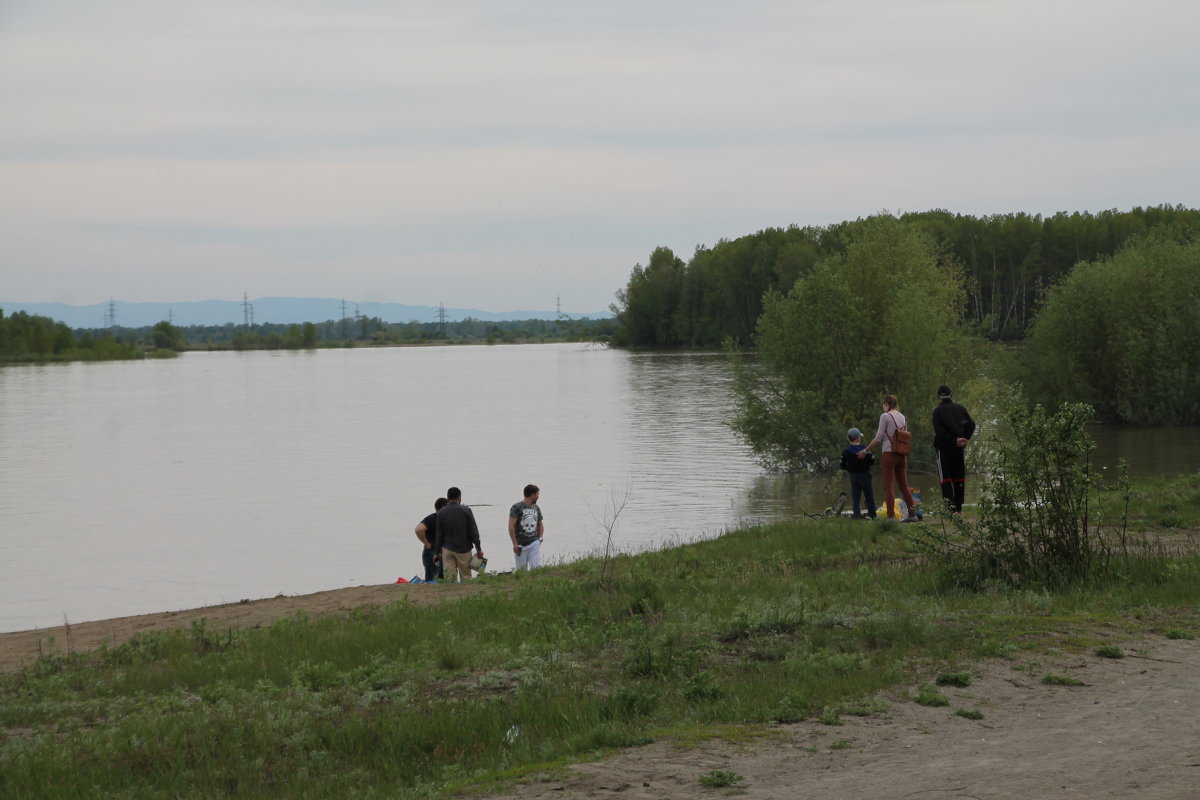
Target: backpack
902, 440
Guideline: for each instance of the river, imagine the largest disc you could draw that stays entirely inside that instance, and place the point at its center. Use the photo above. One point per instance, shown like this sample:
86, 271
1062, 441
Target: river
134, 487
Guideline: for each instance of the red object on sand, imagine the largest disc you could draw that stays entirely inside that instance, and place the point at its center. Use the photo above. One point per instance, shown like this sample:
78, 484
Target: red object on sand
401, 580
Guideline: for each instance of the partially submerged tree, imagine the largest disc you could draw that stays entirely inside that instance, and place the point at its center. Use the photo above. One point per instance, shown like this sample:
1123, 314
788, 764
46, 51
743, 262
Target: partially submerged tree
1123, 334
886, 317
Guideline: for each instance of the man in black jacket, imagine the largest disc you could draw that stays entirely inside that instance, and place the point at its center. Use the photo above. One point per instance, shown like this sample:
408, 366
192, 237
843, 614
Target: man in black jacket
457, 532
952, 429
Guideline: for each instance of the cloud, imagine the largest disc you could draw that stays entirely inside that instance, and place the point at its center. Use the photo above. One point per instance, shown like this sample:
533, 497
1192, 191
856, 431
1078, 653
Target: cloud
169, 147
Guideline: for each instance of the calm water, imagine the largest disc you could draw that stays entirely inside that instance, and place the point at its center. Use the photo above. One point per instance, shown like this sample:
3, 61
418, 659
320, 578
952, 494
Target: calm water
160, 485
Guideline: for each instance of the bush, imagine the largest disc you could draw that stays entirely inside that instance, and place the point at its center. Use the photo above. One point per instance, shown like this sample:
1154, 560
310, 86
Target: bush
1034, 523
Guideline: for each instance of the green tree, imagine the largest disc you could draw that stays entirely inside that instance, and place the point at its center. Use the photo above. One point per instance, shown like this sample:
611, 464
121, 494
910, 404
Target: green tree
1122, 333
646, 307
168, 337
883, 318
309, 336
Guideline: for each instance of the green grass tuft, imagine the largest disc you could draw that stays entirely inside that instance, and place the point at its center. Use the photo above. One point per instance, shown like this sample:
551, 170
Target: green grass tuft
1053, 679
720, 778
929, 696
954, 679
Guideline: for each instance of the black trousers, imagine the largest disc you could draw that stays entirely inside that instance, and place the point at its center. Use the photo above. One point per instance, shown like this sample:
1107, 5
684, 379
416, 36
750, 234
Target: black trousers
860, 484
952, 471
432, 570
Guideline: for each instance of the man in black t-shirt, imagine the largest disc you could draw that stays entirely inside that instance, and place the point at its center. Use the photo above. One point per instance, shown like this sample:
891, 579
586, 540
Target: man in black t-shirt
426, 531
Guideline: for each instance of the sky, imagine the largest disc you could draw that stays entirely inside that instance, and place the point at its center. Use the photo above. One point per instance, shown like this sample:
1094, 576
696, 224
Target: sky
514, 154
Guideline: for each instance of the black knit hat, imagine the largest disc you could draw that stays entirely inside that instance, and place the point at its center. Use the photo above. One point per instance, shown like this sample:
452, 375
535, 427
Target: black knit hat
943, 391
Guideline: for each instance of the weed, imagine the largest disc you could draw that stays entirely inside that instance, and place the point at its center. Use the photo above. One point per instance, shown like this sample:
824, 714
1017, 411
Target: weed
865, 708
954, 679
720, 778
840, 744
929, 696
1053, 679
969, 713
829, 716
701, 687
791, 708
1110, 651
1175, 633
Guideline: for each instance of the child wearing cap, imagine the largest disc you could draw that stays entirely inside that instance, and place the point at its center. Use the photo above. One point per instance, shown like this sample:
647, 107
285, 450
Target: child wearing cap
859, 470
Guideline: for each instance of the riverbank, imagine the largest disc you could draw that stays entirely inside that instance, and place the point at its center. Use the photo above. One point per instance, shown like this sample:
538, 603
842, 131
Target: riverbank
1128, 729
22, 648
818, 654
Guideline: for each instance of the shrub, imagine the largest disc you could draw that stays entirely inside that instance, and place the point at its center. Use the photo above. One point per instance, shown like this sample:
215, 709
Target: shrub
1035, 523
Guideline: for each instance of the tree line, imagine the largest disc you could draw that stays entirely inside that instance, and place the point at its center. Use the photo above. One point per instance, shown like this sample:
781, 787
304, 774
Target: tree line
30, 337
1007, 263
365, 331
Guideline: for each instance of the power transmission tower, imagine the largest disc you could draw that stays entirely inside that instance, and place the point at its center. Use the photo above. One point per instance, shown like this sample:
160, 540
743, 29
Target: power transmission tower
345, 330
247, 311
442, 317
110, 316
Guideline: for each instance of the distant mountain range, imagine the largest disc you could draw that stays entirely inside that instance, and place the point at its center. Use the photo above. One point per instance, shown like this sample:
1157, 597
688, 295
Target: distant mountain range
264, 309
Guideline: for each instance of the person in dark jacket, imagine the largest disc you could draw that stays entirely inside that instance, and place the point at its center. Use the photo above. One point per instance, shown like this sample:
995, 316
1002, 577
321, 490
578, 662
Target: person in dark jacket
859, 470
952, 429
457, 533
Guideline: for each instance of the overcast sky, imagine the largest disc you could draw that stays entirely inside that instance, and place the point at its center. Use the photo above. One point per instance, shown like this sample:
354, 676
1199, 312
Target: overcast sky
498, 155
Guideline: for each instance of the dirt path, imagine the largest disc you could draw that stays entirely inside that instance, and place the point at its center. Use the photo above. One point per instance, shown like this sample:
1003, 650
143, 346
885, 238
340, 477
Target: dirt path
1132, 731
24, 647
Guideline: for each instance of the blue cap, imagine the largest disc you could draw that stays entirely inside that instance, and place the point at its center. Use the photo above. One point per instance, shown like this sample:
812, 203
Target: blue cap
853, 433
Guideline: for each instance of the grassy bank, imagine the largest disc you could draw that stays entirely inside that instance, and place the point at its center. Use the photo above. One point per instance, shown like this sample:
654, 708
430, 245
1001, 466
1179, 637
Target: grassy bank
768, 625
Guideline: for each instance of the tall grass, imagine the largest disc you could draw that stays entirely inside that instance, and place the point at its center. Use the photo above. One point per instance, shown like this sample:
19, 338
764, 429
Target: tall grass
767, 625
